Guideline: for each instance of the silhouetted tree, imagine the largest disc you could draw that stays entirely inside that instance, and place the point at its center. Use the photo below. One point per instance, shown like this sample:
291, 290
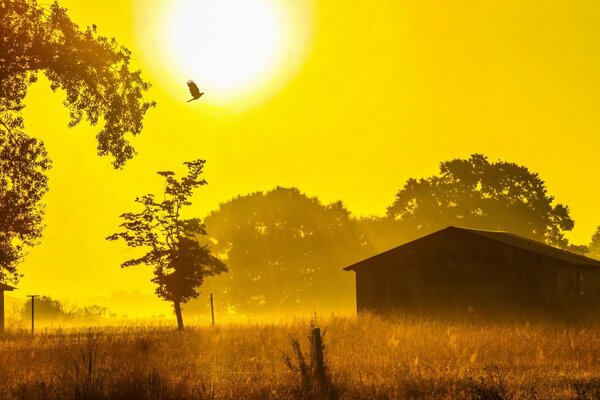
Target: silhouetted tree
285, 251
594, 247
477, 193
93, 71
23, 182
181, 262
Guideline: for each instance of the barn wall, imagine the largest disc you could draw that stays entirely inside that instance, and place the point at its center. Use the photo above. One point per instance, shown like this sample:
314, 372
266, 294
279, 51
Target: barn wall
364, 290
460, 272
578, 287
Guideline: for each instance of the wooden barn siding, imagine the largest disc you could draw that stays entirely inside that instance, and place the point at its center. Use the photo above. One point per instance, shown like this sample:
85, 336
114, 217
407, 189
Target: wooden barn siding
484, 274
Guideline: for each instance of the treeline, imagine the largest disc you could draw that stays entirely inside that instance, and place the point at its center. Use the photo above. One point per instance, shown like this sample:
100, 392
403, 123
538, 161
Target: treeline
286, 250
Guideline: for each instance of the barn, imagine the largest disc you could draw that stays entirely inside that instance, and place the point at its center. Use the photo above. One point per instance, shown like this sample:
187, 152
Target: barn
457, 271
3, 288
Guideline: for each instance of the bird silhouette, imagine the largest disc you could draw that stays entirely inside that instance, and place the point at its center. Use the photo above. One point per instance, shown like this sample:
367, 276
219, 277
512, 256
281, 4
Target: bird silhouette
194, 91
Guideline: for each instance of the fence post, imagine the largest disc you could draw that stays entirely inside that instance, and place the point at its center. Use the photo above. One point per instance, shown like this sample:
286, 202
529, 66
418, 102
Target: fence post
319, 363
33, 296
212, 310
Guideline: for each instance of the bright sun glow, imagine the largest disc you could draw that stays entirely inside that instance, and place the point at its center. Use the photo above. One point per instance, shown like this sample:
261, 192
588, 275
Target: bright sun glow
230, 48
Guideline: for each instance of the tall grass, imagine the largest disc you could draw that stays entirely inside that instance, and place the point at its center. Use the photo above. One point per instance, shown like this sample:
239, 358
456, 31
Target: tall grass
366, 358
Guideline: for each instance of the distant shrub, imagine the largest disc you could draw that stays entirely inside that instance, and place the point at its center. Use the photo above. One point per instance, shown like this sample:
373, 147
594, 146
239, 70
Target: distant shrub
50, 310
45, 308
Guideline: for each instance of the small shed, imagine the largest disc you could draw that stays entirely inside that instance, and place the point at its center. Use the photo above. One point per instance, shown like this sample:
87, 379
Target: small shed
3, 288
457, 271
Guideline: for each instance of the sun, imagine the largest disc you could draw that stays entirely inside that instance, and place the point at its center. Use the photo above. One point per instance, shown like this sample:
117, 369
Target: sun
230, 48
239, 52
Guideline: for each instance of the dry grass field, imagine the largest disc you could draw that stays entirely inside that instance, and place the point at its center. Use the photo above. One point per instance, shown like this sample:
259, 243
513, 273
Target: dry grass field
366, 358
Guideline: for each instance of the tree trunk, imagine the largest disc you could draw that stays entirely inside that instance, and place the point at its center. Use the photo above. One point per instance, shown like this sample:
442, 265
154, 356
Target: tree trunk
177, 305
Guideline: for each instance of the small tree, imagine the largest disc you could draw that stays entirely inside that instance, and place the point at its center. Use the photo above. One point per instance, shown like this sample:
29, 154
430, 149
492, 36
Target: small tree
180, 261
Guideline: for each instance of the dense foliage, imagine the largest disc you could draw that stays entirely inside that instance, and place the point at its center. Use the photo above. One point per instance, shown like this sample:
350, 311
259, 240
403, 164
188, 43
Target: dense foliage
285, 250
23, 182
477, 193
95, 74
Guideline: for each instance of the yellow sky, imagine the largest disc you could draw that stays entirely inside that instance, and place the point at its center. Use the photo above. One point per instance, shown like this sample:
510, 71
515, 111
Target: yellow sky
375, 93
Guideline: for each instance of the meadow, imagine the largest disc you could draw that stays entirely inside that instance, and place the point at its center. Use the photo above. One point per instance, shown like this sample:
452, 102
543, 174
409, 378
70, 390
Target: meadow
366, 358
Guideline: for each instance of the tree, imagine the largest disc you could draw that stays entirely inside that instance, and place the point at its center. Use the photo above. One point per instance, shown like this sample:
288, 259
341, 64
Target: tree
96, 76
23, 182
285, 251
481, 194
181, 262
594, 247
93, 70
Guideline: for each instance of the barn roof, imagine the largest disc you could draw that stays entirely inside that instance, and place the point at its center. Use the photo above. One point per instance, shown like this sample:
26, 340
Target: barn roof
4, 287
504, 237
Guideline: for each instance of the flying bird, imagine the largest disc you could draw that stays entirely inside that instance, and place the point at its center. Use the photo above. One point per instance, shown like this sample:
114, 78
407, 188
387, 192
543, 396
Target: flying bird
194, 91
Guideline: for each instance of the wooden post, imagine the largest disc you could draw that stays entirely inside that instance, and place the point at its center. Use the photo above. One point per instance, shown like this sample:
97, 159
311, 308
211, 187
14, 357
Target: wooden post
1, 312
212, 310
319, 364
33, 296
